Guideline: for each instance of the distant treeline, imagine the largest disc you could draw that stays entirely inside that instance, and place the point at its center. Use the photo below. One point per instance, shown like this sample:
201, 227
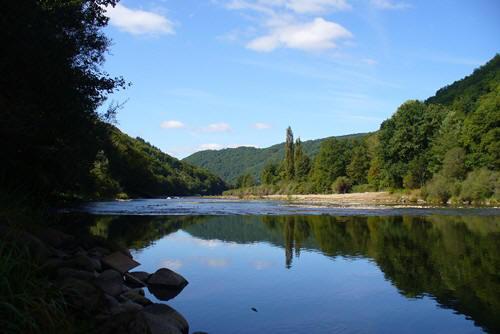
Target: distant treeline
56, 143
448, 146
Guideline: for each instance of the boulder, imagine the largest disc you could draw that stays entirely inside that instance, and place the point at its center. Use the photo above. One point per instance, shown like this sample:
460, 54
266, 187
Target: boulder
55, 238
162, 319
82, 262
163, 293
110, 282
132, 280
136, 297
125, 322
82, 295
167, 278
119, 262
64, 272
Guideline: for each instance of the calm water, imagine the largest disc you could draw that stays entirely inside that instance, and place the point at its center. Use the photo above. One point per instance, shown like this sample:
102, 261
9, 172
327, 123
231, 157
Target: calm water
344, 271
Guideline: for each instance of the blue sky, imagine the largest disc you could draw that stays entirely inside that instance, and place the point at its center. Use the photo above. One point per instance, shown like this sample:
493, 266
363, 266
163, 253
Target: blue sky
209, 74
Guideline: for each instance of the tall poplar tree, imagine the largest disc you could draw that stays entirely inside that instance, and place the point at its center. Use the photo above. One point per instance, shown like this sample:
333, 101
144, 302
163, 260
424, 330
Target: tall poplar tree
301, 161
289, 155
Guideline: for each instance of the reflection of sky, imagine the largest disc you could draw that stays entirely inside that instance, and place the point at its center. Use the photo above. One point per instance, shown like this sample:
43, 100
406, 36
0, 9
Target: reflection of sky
318, 294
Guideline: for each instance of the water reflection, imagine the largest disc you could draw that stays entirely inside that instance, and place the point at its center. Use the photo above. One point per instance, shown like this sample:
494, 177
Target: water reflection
453, 259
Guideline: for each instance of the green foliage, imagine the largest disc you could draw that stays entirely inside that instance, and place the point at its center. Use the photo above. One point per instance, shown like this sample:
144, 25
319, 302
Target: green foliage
342, 185
245, 181
454, 164
270, 174
439, 189
481, 184
405, 137
143, 170
288, 162
51, 87
357, 170
230, 163
302, 163
330, 163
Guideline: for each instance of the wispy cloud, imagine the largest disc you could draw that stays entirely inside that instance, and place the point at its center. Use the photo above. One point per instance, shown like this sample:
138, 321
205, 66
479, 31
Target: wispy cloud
261, 126
217, 127
210, 146
288, 24
316, 35
172, 124
390, 4
173, 264
138, 21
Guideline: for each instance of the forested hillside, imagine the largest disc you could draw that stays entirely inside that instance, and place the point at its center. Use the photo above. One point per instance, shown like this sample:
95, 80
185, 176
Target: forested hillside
53, 89
230, 163
135, 167
448, 147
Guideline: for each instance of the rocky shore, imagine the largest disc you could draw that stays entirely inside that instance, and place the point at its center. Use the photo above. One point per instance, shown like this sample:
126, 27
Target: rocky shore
99, 287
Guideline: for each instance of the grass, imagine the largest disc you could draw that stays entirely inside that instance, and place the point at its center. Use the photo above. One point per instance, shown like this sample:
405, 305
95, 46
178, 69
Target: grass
30, 303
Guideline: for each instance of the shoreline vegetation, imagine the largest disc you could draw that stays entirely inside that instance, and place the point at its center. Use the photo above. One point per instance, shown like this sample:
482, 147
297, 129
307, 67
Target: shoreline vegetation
353, 200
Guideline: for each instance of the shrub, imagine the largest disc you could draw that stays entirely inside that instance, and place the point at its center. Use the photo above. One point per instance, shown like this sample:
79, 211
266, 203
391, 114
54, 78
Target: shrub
439, 189
342, 185
480, 185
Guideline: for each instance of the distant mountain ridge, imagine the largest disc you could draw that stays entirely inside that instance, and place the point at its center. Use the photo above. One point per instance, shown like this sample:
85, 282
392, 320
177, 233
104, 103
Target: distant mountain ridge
229, 163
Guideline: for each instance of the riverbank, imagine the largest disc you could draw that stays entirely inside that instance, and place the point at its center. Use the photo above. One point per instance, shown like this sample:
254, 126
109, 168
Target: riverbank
62, 283
381, 198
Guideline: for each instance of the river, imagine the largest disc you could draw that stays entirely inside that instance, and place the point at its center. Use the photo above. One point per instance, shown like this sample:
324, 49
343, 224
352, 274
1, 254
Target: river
272, 267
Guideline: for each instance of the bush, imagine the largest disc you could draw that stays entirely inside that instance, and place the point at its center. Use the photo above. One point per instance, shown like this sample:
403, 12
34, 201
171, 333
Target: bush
342, 185
363, 188
480, 185
439, 189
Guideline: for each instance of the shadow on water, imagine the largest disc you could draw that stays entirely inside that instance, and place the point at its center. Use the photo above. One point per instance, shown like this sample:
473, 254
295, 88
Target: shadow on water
453, 259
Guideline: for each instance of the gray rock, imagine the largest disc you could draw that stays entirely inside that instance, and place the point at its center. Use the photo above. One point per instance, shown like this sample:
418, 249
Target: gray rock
81, 262
110, 282
64, 272
82, 295
163, 293
125, 322
98, 251
162, 319
119, 262
55, 238
133, 281
136, 297
168, 279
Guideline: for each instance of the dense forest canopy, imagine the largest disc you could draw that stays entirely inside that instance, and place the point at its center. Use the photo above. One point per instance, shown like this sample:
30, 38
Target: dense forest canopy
230, 163
448, 146
57, 144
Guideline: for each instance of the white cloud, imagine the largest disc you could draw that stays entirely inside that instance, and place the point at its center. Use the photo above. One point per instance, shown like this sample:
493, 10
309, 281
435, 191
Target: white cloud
296, 6
261, 126
390, 4
172, 124
217, 127
172, 264
316, 35
210, 146
369, 61
139, 22
317, 6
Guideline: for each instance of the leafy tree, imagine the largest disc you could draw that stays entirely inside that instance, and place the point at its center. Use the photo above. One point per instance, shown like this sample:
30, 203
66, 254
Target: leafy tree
289, 167
51, 85
417, 173
405, 136
244, 181
302, 163
357, 169
270, 174
454, 164
330, 163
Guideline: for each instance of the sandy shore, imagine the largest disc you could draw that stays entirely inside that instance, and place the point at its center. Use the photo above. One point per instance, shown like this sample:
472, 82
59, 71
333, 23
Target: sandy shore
352, 199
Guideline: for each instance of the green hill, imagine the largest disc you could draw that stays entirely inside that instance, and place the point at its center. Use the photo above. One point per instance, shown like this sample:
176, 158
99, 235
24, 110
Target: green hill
137, 168
230, 163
